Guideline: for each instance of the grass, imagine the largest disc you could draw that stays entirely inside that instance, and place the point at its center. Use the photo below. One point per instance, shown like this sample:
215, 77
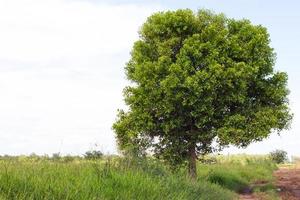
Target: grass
238, 172
117, 178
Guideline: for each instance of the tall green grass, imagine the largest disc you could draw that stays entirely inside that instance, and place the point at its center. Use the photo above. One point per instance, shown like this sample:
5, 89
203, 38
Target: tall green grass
99, 180
121, 178
238, 172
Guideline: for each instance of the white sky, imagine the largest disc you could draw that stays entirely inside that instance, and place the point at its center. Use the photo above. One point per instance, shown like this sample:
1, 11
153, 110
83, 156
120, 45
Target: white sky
61, 75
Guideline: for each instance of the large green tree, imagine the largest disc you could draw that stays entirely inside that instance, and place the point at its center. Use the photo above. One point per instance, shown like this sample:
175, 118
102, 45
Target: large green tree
200, 81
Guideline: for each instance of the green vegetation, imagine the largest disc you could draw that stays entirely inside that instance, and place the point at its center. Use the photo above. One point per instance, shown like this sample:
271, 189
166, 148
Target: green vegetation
200, 79
114, 177
238, 172
279, 156
201, 82
92, 155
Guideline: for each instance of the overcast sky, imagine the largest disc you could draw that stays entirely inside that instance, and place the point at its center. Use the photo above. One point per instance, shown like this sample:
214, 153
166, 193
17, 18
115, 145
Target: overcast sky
61, 68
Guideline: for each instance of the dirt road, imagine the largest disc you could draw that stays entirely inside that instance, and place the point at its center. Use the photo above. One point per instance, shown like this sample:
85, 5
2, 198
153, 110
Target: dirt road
288, 182
248, 197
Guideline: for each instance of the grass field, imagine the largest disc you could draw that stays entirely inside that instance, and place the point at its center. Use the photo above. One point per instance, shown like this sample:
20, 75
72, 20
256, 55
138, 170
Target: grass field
118, 178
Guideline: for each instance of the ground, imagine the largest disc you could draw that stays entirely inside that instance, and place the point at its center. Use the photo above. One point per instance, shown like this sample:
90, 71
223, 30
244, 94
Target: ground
287, 184
248, 197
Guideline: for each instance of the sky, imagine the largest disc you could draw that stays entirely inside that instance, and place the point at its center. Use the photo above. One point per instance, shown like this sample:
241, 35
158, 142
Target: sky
62, 68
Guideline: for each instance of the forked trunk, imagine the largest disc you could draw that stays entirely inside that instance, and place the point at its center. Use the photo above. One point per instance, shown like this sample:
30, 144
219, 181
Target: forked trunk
192, 168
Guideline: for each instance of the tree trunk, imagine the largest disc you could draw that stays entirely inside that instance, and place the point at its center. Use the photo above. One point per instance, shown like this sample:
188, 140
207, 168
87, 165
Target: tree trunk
192, 168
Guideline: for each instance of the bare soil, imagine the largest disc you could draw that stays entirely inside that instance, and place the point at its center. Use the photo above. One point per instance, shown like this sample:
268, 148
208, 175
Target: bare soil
247, 194
251, 196
248, 197
288, 183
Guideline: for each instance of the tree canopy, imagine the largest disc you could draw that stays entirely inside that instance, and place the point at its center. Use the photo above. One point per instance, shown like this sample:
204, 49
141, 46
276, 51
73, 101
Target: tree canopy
200, 81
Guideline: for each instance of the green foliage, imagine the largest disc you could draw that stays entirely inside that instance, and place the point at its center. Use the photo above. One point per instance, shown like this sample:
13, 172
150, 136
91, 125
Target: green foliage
130, 178
227, 179
238, 172
279, 156
69, 158
100, 179
56, 156
93, 155
200, 78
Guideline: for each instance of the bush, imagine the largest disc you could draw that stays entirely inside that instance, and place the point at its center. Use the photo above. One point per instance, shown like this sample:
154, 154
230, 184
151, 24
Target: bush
56, 156
279, 156
93, 155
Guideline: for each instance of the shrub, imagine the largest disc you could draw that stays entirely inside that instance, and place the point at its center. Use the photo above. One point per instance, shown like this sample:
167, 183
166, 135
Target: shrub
279, 156
56, 156
93, 155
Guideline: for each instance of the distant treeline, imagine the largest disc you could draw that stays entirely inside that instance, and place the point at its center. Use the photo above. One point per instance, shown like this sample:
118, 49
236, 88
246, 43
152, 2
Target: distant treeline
89, 155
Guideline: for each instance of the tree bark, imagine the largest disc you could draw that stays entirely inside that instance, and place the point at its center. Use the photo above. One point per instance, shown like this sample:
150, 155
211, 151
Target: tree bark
192, 165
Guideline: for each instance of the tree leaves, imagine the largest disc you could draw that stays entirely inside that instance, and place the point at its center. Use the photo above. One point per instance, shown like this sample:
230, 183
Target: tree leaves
198, 79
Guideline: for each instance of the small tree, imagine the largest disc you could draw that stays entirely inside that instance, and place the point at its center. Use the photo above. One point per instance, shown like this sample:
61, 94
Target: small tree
279, 156
198, 80
93, 155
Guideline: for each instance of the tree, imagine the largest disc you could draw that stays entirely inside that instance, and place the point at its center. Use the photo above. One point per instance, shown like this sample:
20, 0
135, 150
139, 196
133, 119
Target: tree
279, 156
200, 81
93, 155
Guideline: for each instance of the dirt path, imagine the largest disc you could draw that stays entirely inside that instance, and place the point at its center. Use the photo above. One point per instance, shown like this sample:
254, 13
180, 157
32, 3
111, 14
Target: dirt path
247, 197
288, 182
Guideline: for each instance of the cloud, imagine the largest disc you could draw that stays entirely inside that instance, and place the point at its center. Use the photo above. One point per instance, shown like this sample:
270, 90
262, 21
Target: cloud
61, 73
